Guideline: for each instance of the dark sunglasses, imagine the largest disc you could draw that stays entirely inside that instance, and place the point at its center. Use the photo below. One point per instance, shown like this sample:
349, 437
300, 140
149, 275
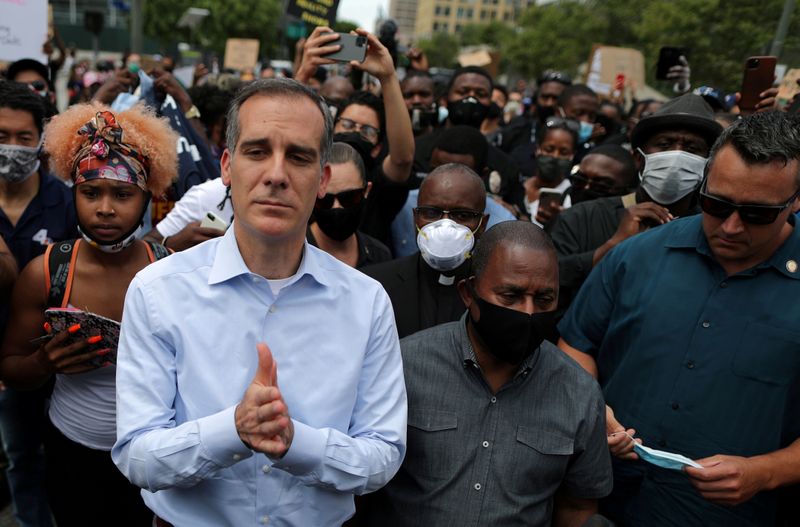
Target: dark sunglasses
370, 133
462, 216
559, 122
347, 199
556, 76
37, 85
753, 214
579, 180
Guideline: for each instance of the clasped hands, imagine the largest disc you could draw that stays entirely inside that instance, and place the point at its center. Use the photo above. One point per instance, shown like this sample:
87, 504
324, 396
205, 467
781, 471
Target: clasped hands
262, 417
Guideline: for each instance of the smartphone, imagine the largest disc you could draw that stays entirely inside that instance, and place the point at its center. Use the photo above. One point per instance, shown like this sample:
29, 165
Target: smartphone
668, 57
354, 47
759, 75
548, 197
212, 221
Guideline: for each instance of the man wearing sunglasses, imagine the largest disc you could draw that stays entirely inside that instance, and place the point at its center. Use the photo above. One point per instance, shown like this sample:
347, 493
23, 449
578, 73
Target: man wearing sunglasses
338, 213
692, 331
448, 217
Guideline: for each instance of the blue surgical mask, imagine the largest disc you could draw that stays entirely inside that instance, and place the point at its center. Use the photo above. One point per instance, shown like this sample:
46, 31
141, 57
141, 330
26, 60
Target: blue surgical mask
663, 459
585, 132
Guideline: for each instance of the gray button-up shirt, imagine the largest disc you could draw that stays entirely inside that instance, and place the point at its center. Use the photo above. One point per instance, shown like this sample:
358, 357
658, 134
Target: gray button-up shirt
478, 458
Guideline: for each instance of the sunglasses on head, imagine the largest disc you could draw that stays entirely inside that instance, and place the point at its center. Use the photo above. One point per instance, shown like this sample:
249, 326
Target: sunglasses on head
560, 122
347, 199
753, 214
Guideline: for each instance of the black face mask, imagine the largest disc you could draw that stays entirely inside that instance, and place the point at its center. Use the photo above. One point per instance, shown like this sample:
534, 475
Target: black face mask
579, 195
511, 336
340, 223
362, 146
553, 169
423, 118
495, 112
467, 111
544, 112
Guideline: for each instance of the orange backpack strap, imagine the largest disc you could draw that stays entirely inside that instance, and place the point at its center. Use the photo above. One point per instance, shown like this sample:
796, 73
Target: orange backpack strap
156, 251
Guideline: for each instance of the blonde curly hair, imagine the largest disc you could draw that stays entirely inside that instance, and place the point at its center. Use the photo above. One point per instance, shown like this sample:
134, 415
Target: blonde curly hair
142, 129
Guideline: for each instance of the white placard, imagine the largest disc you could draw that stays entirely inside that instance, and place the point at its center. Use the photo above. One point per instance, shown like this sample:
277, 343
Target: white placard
23, 29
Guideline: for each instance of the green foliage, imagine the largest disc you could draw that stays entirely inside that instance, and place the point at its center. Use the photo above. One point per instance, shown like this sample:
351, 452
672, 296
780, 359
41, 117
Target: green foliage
441, 49
721, 34
342, 26
228, 19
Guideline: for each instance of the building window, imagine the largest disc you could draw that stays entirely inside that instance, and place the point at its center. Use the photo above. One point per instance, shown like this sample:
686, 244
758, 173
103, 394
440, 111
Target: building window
460, 12
436, 26
470, 13
438, 10
445, 26
447, 11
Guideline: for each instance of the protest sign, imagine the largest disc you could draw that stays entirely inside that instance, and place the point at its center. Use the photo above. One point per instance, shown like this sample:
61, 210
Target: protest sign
241, 53
23, 29
608, 63
314, 12
788, 87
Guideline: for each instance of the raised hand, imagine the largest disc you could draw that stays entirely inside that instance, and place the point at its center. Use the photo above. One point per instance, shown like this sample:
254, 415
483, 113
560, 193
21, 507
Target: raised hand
262, 417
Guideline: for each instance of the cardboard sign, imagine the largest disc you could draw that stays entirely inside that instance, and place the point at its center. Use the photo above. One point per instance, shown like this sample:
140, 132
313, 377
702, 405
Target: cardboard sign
608, 63
241, 53
23, 29
480, 56
789, 87
314, 12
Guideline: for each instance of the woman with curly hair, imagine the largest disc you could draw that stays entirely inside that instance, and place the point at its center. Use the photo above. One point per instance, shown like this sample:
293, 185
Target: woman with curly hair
116, 162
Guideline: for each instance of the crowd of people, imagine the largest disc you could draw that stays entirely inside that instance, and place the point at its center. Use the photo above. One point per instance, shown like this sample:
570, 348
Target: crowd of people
487, 306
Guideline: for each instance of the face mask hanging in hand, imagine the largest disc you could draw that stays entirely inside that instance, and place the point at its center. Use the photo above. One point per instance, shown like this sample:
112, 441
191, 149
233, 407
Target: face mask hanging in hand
662, 459
445, 244
18, 163
669, 176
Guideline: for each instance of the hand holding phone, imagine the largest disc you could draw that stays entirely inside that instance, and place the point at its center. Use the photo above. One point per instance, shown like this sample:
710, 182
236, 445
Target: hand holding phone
212, 221
352, 48
759, 75
668, 57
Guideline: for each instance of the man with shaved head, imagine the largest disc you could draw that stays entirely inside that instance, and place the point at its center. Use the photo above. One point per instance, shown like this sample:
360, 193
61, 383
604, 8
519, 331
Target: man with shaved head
448, 217
503, 428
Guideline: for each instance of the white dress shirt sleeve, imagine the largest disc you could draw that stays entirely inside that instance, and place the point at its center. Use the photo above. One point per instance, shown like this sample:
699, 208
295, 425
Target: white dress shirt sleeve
151, 451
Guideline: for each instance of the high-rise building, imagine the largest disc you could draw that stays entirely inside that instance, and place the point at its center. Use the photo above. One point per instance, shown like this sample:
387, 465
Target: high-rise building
404, 12
450, 16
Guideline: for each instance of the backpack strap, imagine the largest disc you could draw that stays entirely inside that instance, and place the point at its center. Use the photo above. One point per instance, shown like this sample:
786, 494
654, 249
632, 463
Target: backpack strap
156, 251
59, 264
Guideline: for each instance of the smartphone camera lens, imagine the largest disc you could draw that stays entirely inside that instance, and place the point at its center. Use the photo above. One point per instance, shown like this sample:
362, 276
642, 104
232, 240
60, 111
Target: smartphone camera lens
754, 63
361, 41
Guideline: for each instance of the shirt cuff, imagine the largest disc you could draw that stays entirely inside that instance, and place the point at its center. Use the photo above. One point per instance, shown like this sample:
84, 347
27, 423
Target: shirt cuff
220, 439
306, 452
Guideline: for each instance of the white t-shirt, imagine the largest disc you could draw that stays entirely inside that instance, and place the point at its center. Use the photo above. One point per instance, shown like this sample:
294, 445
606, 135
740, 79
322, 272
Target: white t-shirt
193, 206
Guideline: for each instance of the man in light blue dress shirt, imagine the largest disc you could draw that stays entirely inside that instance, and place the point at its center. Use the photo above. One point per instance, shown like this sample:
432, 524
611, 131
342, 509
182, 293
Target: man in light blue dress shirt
259, 380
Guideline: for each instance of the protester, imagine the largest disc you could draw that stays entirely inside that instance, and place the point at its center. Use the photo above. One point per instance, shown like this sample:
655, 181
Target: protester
336, 90
503, 429
449, 216
457, 144
467, 103
367, 123
115, 163
603, 188
580, 103
691, 332
338, 213
554, 154
203, 452
419, 94
35, 210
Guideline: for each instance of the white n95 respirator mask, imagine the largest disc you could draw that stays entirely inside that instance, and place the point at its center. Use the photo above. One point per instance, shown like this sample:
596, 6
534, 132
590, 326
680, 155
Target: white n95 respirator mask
445, 244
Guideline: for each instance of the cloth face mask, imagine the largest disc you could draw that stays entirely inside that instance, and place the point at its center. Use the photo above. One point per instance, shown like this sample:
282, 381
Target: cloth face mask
18, 163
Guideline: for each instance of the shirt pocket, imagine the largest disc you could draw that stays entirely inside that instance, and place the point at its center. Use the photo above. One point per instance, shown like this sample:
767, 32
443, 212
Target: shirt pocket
540, 461
767, 354
432, 443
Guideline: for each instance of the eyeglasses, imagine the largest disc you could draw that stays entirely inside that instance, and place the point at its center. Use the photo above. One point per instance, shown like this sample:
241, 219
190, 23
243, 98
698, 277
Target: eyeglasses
754, 214
600, 184
346, 198
465, 217
370, 133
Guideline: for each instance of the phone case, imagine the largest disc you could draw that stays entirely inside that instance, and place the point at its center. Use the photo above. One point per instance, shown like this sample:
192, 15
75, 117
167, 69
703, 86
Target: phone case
759, 75
91, 325
212, 221
668, 57
354, 47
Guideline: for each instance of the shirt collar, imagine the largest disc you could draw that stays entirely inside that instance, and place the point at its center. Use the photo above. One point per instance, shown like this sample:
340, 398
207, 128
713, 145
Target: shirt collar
228, 262
690, 235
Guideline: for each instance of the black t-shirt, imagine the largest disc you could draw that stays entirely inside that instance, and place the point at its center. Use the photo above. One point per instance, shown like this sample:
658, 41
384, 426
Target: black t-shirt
385, 200
370, 250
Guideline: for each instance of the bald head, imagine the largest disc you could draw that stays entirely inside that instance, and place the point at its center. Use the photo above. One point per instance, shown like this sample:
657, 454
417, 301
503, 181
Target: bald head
336, 88
455, 184
507, 234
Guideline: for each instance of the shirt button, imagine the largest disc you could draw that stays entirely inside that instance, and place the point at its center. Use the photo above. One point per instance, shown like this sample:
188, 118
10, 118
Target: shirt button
237, 457
477, 486
723, 285
485, 444
265, 469
493, 400
675, 406
265, 520
272, 309
706, 324
690, 365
